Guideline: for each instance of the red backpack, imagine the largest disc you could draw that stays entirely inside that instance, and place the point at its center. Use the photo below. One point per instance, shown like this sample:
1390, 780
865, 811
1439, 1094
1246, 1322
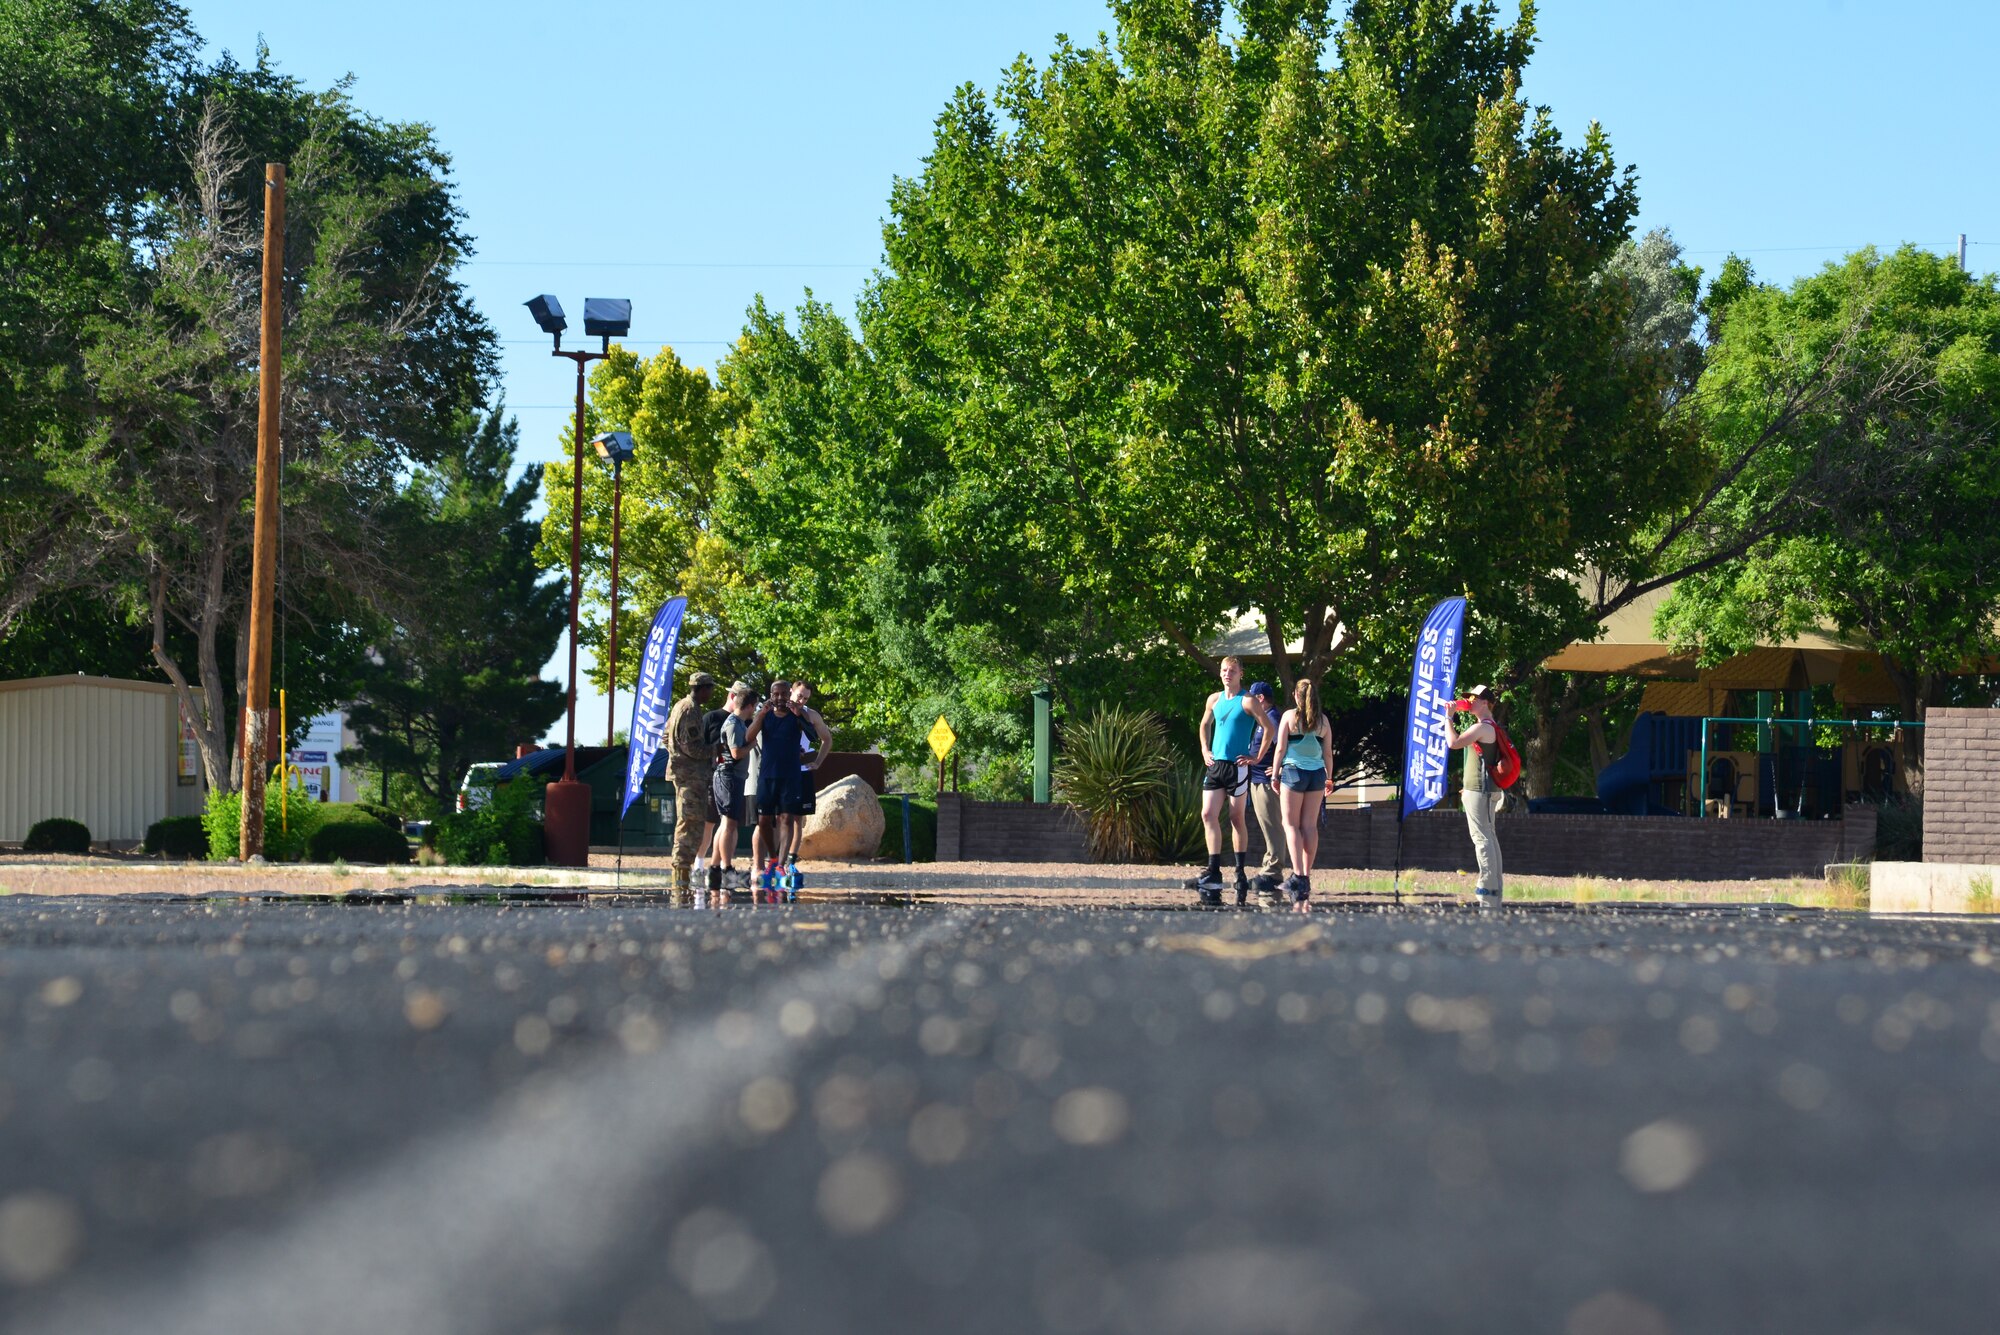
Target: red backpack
1505, 767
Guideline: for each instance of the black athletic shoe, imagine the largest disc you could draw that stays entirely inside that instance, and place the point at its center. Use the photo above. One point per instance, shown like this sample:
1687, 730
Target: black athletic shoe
1302, 888
1242, 890
715, 878
1208, 888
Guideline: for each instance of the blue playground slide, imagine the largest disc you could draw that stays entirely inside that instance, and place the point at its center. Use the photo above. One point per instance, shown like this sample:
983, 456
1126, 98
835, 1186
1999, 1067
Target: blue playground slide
1631, 785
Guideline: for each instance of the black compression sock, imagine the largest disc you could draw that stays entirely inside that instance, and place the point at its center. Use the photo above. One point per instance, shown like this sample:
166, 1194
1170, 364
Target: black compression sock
1215, 863
1239, 866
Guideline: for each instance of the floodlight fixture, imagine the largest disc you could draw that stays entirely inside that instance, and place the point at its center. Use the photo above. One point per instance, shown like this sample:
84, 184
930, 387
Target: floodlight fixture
609, 317
615, 447
548, 313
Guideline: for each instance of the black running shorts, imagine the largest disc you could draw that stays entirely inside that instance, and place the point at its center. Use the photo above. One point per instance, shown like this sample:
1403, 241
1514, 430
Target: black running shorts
1225, 776
780, 793
725, 794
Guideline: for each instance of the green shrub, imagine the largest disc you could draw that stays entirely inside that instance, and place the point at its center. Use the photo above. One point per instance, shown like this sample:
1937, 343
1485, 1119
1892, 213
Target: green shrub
503, 833
1899, 830
1169, 827
923, 828
57, 834
177, 837
289, 823
1114, 767
359, 839
1007, 777
382, 814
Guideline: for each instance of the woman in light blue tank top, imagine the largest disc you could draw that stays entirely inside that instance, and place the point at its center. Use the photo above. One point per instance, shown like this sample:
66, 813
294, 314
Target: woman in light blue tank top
1304, 742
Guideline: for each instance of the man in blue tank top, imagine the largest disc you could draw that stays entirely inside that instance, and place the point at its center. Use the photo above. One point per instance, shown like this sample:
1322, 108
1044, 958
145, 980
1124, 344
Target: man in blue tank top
1228, 722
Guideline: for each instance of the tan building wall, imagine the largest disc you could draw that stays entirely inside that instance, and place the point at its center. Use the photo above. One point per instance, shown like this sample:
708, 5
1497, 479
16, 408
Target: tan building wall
1962, 785
92, 749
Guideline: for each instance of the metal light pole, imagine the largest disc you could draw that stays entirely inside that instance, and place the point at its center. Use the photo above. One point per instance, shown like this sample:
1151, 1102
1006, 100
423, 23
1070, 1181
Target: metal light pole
616, 447
566, 803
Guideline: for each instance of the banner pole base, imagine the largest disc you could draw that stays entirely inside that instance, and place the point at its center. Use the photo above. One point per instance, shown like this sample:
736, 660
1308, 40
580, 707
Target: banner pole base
1396, 883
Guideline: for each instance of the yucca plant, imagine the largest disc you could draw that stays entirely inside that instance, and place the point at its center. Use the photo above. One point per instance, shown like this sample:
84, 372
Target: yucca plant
1170, 825
1113, 768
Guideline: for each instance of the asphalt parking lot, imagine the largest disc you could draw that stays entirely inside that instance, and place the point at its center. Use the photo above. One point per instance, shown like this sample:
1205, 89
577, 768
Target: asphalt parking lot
223, 1116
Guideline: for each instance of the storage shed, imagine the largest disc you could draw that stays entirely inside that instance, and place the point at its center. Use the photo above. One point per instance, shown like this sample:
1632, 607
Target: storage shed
94, 749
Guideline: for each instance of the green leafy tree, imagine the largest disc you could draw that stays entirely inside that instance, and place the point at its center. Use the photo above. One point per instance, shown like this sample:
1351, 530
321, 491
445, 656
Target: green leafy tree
1890, 465
88, 102
667, 546
855, 538
1545, 705
1306, 319
382, 349
456, 678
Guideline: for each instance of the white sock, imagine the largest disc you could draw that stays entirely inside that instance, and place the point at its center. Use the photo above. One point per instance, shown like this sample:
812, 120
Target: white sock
701, 864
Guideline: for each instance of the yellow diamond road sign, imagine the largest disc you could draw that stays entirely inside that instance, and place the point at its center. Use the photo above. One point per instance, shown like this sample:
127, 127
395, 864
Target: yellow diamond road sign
941, 738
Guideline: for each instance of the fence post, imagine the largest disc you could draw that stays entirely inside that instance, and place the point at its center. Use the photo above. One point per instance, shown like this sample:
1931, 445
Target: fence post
1044, 741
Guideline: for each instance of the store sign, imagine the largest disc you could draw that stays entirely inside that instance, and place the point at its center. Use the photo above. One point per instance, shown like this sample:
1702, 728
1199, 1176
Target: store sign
315, 761
189, 771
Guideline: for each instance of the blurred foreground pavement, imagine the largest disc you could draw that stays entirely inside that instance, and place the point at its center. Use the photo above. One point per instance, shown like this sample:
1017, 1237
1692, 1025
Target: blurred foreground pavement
223, 1117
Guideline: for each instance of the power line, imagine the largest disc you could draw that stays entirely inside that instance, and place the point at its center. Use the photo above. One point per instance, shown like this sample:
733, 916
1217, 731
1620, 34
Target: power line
661, 264
639, 342
1783, 250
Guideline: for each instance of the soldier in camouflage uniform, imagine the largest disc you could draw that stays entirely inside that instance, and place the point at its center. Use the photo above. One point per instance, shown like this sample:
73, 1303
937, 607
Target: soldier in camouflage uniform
690, 760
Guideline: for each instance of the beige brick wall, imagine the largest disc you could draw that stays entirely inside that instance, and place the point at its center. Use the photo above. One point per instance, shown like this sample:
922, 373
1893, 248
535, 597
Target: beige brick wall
1962, 785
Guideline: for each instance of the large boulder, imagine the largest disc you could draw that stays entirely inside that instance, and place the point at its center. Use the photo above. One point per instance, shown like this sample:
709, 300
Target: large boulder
848, 824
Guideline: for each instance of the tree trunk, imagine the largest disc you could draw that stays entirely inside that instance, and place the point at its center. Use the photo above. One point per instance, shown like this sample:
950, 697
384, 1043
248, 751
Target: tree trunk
1600, 745
242, 679
1914, 693
1543, 745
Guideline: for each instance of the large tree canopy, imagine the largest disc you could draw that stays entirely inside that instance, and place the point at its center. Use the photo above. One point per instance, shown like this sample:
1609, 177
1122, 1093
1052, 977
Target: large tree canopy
678, 419
382, 354
455, 675
89, 95
1891, 467
1303, 317
858, 544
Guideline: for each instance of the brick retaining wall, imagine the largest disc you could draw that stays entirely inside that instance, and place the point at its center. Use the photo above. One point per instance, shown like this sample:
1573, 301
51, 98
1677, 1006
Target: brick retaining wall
1962, 785
1634, 847
970, 830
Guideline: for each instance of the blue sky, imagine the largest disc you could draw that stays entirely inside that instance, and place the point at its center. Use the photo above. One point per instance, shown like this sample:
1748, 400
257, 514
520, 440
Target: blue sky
692, 156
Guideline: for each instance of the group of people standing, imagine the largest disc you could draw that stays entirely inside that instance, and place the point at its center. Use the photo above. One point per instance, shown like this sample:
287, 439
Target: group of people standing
1244, 738
749, 763
752, 762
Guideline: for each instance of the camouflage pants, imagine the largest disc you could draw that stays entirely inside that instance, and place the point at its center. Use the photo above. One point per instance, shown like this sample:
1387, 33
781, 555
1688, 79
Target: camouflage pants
690, 812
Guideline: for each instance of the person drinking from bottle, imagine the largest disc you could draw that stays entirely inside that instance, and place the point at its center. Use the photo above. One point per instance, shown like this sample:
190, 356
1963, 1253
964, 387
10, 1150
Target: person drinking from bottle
1481, 796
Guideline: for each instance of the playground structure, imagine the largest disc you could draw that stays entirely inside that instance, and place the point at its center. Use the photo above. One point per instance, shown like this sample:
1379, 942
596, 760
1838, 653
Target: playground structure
1750, 736
1783, 768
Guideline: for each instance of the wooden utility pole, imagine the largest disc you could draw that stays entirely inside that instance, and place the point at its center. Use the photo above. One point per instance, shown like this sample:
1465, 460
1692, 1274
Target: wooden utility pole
264, 565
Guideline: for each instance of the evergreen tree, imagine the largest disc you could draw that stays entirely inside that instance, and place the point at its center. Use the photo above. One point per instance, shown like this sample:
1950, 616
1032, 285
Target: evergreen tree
456, 678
